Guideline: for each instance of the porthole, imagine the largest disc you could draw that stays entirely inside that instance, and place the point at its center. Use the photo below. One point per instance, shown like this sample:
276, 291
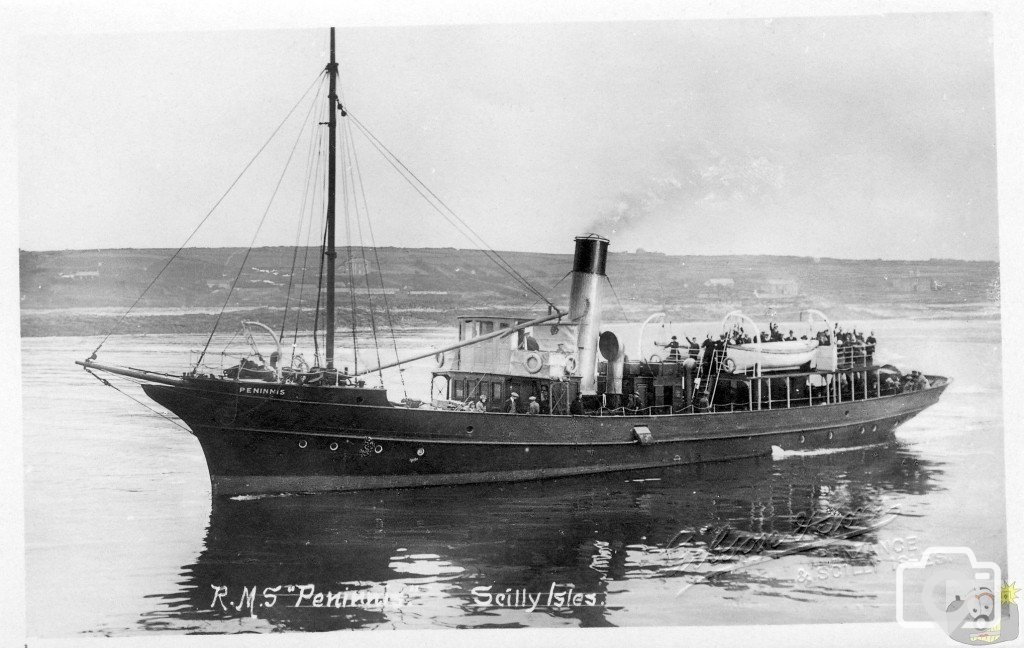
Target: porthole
677, 458
830, 435
469, 428
846, 413
359, 399
874, 428
862, 429
334, 446
527, 449
801, 438
378, 449
302, 444
419, 452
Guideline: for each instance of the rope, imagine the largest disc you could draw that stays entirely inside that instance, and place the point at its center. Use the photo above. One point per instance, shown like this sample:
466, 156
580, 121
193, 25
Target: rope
302, 219
259, 227
399, 166
114, 387
552, 288
206, 217
348, 263
349, 149
380, 271
621, 307
319, 294
305, 259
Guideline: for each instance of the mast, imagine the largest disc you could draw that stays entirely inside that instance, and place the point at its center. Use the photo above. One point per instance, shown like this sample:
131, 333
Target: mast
332, 127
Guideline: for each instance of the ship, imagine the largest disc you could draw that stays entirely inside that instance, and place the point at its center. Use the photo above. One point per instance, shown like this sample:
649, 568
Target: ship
536, 396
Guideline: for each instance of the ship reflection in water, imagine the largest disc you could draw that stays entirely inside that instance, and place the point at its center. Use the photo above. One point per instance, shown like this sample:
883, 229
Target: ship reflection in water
591, 551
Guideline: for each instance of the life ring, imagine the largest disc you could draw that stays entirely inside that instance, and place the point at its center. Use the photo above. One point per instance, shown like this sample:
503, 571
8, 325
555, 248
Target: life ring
655, 358
571, 364
439, 359
729, 365
301, 365
533, 363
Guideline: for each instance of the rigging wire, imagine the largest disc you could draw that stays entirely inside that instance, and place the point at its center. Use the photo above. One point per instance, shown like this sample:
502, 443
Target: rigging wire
357, 177
420, 187
121, 391
621, 307
319, 295
348, 262
206, 217
380, 271
309, 235
552, 288
302, 215
321, 209
259, 227
351, 169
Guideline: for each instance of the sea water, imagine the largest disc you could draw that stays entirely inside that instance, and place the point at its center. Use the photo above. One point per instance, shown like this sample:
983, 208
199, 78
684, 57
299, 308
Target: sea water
123, 537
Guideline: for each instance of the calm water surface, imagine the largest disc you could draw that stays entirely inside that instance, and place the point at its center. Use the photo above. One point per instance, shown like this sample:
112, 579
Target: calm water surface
123, 537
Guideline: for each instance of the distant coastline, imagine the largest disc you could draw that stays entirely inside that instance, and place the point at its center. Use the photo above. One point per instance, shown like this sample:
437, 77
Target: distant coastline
85, 292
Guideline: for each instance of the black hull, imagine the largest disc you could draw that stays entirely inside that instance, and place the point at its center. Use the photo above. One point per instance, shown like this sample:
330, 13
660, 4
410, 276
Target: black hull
304, 441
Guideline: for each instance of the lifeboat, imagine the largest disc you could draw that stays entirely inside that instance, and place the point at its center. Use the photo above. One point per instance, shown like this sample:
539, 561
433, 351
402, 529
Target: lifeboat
772, 356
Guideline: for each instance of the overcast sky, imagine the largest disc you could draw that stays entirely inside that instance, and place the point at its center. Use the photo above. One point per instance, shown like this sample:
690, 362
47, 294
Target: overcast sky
858, 137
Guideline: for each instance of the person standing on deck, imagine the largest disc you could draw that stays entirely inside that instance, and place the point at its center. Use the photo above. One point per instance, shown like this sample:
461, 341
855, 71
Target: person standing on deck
481, 405
531, 343
633, 402
707, 346
694, 347
717, 347
576, 407
673, 347
534, 407
512, 404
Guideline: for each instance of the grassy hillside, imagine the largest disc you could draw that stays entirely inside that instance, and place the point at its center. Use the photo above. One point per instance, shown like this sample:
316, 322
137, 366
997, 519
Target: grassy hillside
79, 292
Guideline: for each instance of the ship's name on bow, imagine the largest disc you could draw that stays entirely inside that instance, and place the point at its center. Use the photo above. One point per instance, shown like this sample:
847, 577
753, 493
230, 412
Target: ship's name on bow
262, 391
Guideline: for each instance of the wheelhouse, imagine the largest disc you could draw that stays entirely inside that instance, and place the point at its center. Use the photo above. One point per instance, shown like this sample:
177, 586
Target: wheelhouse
538, 361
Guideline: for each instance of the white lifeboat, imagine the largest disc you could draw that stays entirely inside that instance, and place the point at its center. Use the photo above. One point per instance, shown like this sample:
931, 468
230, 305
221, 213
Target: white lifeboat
772, 356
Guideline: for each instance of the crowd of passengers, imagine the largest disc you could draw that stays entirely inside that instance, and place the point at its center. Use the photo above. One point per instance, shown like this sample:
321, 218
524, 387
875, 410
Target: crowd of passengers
853, 342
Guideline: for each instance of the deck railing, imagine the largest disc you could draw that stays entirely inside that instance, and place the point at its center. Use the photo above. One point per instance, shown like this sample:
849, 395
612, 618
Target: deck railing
854, 355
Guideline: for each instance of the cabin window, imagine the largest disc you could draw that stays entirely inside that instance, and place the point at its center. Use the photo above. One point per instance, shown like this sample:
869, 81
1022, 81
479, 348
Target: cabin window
495, 391
460, 390
486, 327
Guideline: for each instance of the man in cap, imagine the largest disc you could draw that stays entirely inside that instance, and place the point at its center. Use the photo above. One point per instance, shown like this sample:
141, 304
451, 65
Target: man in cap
707, 347
534, 407
673, 347
694, 347
633, 402
481, 405
512, 404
